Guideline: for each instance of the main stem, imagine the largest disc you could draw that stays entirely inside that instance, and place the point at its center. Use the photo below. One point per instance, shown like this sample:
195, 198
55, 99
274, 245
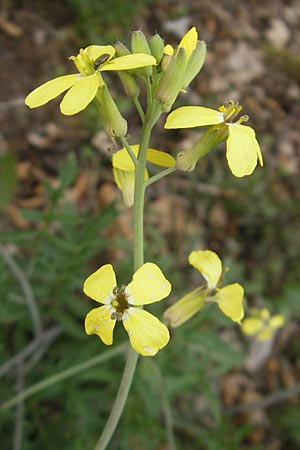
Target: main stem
138, 260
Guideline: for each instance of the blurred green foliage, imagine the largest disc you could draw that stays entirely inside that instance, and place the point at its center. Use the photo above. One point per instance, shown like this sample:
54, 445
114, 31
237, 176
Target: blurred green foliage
102, 21
64, 245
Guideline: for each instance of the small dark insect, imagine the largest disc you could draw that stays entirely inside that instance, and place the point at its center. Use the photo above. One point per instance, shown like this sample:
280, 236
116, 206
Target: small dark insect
100, 60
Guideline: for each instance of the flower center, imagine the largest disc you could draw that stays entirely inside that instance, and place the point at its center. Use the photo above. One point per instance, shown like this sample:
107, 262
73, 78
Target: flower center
119, 302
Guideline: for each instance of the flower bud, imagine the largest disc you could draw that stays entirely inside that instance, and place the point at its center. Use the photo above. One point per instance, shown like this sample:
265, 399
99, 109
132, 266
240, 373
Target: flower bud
121, 49
139, 44
114, 124
195, 63
156, 44
171, 82
129, 83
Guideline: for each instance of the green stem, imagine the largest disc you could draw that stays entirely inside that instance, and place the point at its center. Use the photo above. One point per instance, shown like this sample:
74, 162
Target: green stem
129, 150
138, 260
160, 175
139, 194
139, 108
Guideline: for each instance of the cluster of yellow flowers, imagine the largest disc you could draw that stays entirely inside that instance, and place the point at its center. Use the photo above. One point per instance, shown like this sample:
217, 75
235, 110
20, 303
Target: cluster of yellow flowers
171, 71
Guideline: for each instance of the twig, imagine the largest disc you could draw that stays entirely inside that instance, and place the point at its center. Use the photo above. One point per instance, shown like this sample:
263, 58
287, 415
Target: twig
277, 397
43, 340
15, 103
28, 294
19, 421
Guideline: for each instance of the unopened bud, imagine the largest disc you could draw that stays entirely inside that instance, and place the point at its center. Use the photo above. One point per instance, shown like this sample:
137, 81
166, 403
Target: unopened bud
156, 44
121, 49
139, 44
195, 63
171, 81
114, 124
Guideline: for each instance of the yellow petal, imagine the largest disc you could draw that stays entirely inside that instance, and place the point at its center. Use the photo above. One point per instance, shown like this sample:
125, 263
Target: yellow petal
230, 301
146, 333
193, 116
168, 50
121, 159
148, 285
209, 265
93, 52
125, 181
263, 313
242, 150
43, 94
129, 62
160, 158
100, 284
277, 321
251, 325
80, 95
98, 322
185, 308
266, 333
189, 41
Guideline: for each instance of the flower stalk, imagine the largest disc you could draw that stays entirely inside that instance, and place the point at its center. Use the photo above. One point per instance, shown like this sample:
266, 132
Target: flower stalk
138, 260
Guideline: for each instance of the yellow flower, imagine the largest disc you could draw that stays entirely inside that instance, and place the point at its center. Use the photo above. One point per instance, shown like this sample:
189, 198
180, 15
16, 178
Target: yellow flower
146, 333
261, 325
229, 298
82, 87
242, 151
124, 169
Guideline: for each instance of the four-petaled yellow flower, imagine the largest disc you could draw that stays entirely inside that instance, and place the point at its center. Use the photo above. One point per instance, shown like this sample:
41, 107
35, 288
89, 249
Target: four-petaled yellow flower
124, 169
228, 298
146, 333
261, 324
242, 148
82, 88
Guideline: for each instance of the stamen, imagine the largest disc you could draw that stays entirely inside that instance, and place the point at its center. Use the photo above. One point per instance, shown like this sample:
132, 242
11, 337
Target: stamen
116, 290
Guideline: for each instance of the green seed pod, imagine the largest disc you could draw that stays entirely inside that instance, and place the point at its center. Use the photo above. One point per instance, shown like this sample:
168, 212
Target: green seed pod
171, 81
156, 44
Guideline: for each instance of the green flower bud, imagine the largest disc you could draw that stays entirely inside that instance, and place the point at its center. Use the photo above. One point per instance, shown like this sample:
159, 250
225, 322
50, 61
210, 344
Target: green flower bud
171, 81
195, 63
129, 83
139, 44
156, 44
114, 124
121, 49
